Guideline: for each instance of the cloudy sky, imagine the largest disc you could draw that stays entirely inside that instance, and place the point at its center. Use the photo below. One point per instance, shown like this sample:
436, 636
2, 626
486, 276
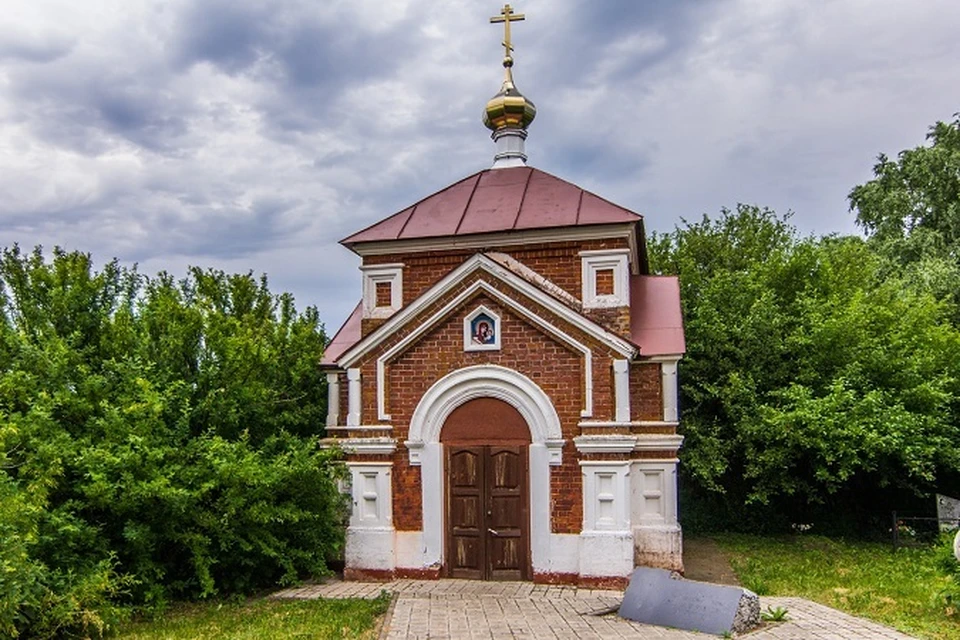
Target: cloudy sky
254, 134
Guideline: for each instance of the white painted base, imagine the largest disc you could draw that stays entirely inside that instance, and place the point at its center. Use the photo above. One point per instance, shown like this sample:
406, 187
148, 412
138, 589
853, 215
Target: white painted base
658, 546
412, 552
606, 553
370, 548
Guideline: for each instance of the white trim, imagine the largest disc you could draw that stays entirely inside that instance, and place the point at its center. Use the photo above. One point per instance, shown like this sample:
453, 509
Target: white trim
605, 443
333, 399
373, 275
425, 449
621, 388
368, 446
516, 307
480, 261
671, 357
613, 231
601, 424
353, 397
362, 427
670, 390
592, 262
657, 442
606, 487
468, 342
372, 494
654, 503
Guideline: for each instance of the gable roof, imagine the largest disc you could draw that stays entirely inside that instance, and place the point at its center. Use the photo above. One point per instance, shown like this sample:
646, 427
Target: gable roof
497, 200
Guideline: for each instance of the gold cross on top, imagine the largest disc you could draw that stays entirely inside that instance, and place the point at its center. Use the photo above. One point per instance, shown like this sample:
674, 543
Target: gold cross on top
506, 17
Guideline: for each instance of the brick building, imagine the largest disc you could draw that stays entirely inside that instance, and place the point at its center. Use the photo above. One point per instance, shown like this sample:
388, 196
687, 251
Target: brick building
506, 390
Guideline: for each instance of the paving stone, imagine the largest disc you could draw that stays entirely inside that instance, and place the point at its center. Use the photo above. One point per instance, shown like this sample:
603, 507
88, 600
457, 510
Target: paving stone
467, 609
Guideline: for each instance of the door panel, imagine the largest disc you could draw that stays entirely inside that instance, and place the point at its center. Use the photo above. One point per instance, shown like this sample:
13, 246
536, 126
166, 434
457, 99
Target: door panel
507, 515
466, 539
488, 515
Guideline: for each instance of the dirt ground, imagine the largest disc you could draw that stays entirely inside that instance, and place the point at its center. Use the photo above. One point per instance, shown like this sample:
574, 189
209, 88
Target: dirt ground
704, 560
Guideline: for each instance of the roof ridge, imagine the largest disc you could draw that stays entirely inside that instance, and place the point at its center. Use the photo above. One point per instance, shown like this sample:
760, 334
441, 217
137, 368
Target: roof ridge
526, 187
466, 207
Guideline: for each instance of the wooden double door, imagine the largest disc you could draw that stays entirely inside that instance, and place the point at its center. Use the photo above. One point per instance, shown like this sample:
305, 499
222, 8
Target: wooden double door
488, 515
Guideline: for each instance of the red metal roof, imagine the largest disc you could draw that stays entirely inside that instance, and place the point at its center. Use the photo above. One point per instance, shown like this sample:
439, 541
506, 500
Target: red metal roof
492, 200
347, 336
656, 323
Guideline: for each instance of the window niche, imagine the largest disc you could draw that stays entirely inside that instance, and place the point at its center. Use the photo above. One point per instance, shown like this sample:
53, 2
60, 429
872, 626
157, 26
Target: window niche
605, 278
382, 290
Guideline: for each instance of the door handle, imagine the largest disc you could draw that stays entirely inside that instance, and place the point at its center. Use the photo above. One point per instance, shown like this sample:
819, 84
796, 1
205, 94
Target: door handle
496, 533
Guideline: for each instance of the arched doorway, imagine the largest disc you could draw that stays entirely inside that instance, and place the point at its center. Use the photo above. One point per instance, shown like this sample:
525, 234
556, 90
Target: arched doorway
487, 530
425, 450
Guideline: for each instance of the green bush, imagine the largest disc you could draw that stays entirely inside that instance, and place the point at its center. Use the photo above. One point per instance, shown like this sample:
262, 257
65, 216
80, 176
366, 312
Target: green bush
158, 440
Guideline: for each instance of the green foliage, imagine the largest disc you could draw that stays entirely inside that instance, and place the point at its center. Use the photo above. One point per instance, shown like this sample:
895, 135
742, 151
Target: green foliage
920, 191
264, 620
774, 614
154, 441
811, 371
866, 579
911, 211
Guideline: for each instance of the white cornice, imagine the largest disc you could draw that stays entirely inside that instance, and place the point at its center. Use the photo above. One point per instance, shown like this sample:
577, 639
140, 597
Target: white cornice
368, 446
601, 424
480, 261
605, 443
501, 239
658, 442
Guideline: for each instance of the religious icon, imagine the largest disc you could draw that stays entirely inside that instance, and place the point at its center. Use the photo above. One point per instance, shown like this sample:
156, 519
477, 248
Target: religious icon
483, 330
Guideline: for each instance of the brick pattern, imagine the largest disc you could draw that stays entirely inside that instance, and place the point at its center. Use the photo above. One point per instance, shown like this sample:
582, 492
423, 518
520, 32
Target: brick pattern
604, 282
646, 398
384, 293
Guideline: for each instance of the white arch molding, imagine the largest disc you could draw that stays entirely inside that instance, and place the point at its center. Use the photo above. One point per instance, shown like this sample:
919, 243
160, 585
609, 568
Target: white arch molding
546, 443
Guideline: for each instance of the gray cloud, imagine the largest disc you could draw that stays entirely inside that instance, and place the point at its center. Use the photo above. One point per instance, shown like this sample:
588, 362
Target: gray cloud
253, 134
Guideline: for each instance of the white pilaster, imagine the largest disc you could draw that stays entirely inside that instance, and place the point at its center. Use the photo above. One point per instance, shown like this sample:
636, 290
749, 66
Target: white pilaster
668, 376
353, 397
370, 540
621, 388
333, 399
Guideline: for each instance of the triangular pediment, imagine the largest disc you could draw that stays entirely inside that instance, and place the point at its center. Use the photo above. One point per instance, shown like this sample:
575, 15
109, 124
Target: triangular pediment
493, 272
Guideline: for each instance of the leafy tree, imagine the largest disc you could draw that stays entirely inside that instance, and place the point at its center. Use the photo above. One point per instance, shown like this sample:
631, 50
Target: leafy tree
911, 212
157, 440
812, 373
920, 191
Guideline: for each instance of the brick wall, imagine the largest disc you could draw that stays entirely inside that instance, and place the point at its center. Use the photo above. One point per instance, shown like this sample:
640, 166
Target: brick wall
646, 399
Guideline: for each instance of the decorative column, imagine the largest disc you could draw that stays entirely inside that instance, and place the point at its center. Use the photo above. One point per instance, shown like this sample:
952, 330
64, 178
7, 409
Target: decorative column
333, 399
353, 397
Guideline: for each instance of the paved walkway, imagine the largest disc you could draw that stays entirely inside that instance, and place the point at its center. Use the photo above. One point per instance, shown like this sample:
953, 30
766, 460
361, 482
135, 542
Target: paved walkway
470, 609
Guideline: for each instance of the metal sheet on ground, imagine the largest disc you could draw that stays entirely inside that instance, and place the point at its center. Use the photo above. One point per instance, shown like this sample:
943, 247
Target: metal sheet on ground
653, 597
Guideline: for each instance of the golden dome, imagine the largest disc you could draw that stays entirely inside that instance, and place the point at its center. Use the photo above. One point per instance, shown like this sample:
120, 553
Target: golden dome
508, 109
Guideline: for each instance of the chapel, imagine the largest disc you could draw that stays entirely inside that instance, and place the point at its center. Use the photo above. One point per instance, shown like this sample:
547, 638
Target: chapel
505, 392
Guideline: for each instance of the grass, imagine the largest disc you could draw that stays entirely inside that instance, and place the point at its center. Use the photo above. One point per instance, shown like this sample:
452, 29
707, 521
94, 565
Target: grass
901, 589
263, 620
